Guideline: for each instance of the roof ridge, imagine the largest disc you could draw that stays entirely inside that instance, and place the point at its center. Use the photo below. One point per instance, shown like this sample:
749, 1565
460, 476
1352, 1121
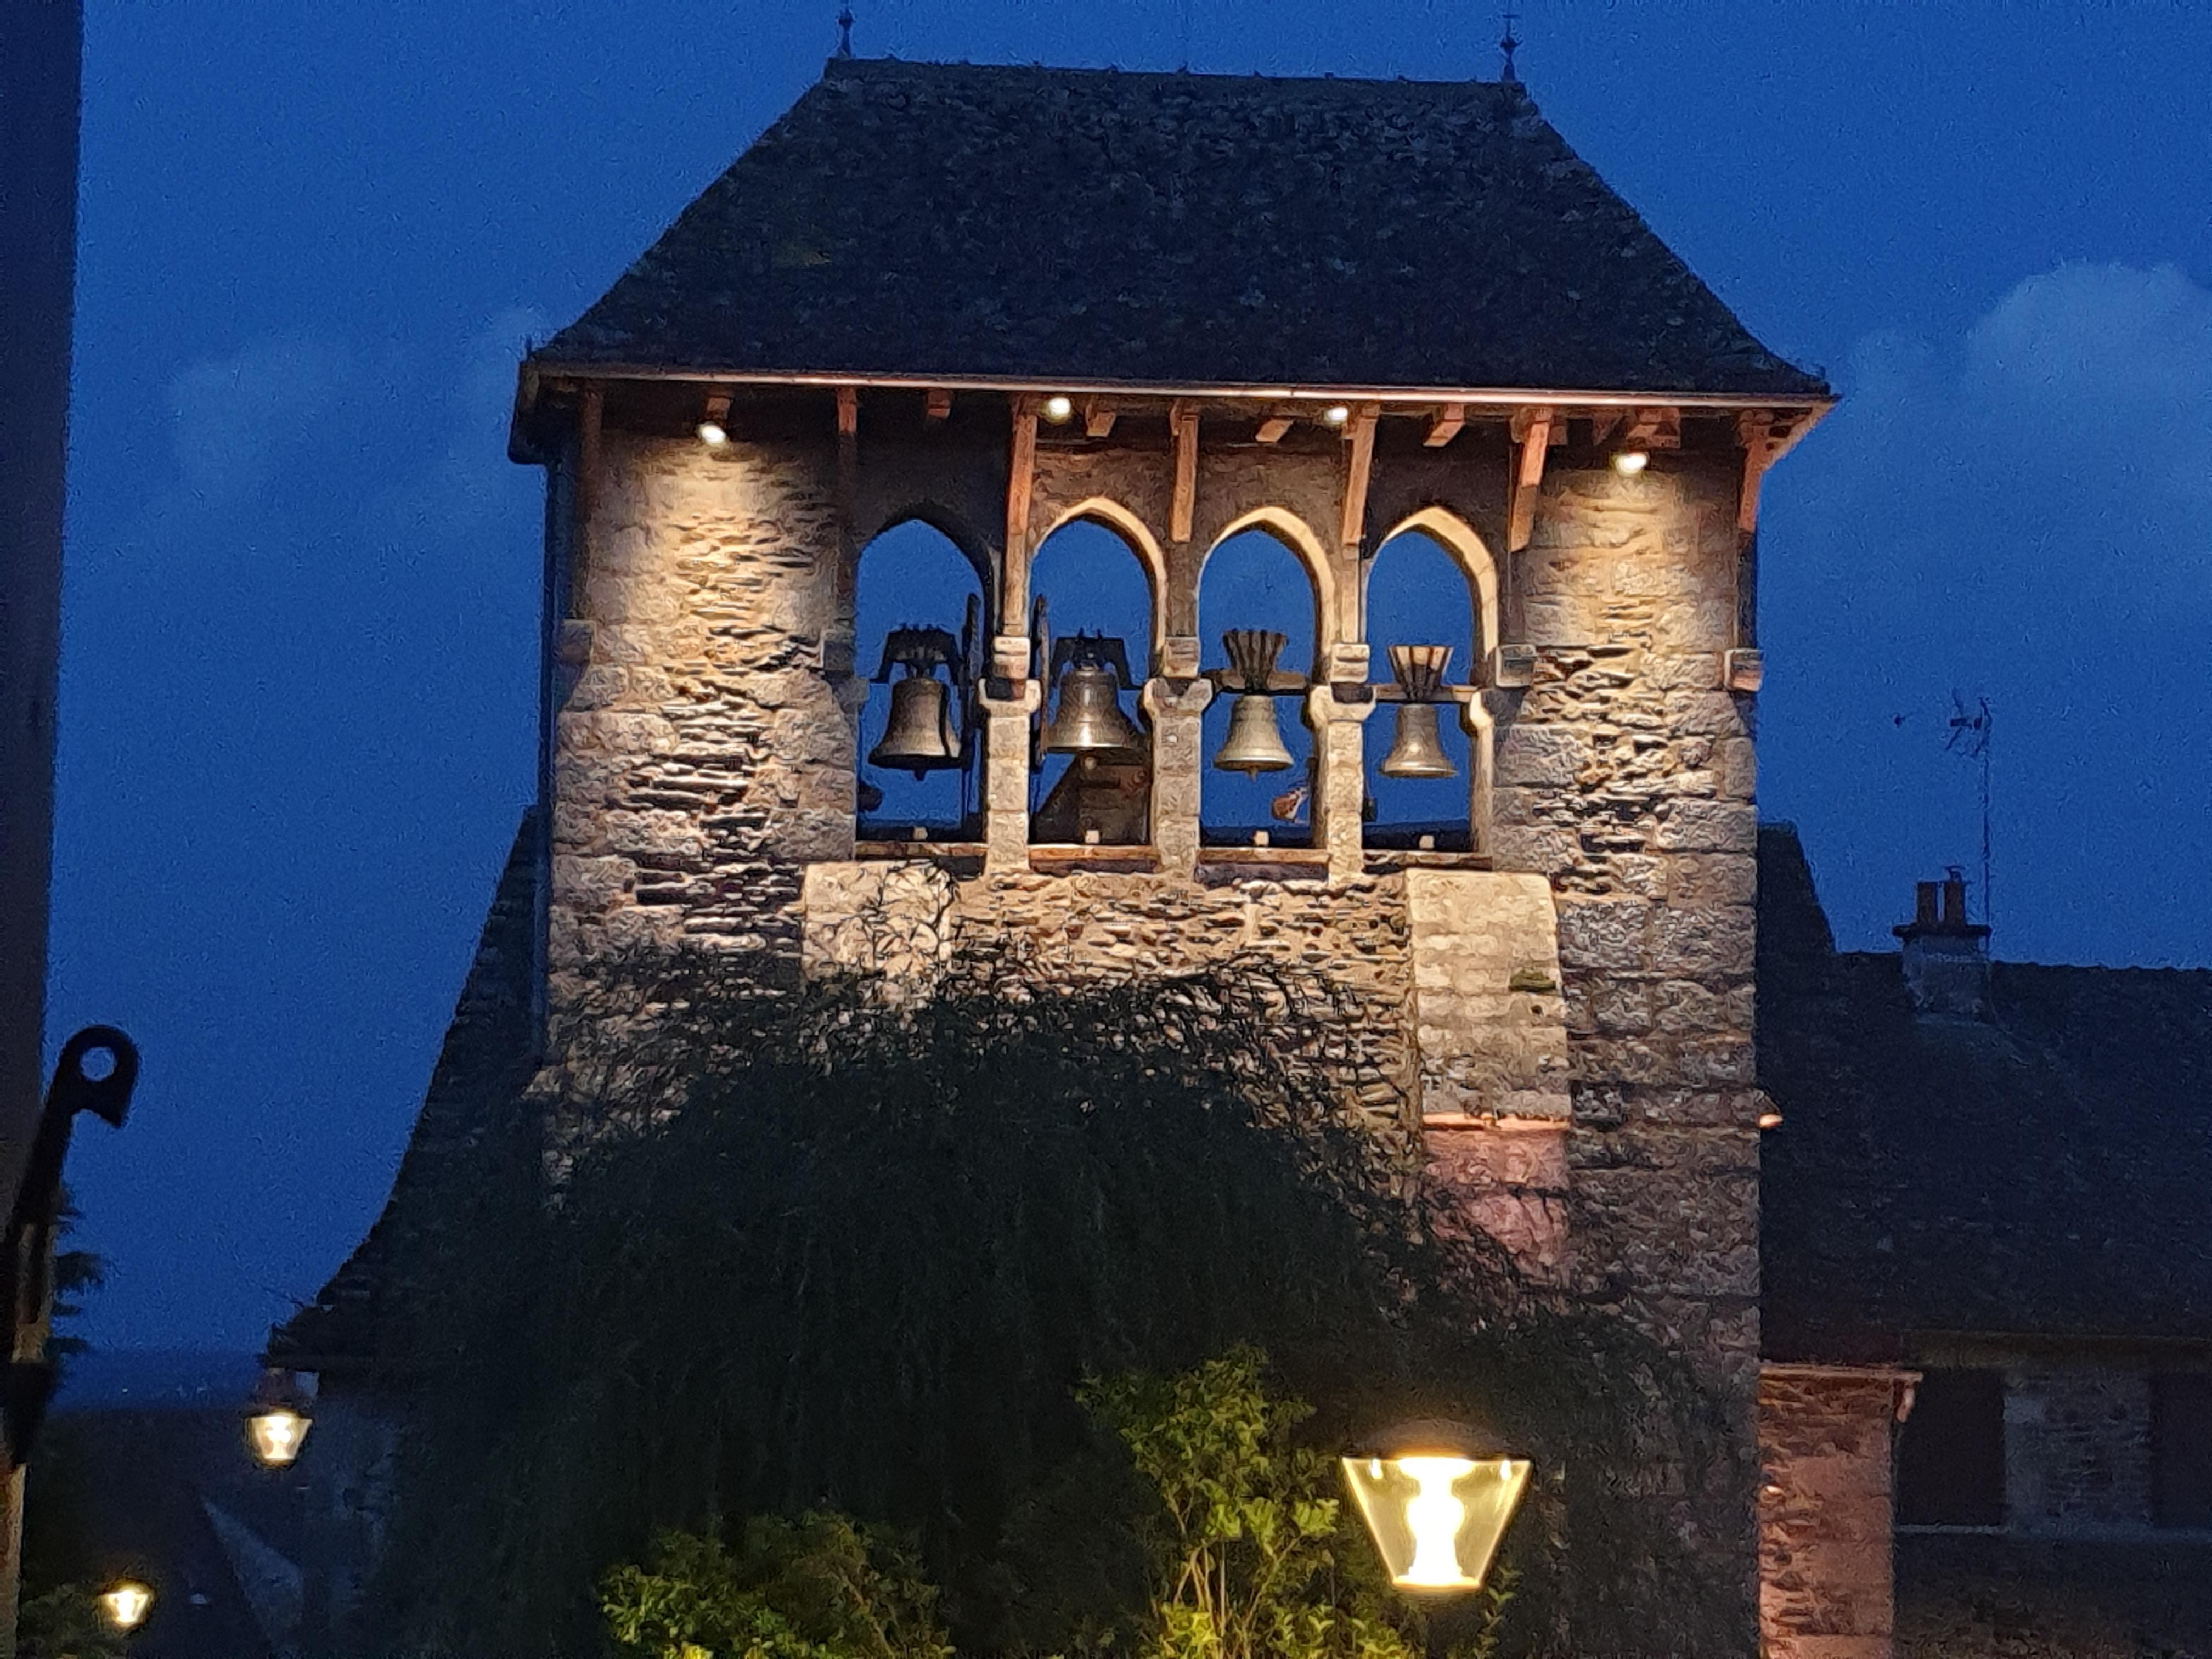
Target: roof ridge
861, 67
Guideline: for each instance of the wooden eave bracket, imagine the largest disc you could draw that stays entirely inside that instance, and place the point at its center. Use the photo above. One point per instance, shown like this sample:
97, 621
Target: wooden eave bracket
1021, 478
1099, 416
1535, 430
1766, 436
1359, 465
937, 404
1183, 422
1271, 428
1445, 425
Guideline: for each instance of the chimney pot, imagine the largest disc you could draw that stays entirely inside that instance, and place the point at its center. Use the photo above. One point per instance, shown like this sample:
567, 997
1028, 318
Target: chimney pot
1924, 904
1955, 902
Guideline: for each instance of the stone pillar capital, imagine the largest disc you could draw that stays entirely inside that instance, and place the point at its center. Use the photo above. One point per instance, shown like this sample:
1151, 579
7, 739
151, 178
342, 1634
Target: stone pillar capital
1166, 697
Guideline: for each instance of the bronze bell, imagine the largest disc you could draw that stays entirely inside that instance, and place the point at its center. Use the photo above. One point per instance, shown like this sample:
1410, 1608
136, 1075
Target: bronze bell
1088, 718
1416, 747
1255, 743
917, 737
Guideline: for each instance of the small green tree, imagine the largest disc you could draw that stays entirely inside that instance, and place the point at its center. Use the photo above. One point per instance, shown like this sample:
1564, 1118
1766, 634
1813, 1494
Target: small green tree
1257, 1558
820, 1587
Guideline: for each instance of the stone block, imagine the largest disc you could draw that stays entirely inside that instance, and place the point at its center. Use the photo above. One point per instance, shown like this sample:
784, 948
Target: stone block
1707, 827
1605, 934
1707, 943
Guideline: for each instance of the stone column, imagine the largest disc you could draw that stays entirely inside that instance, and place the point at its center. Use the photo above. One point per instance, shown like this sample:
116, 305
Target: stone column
1006, 777
1176, 707
1340, 775
1825, 1439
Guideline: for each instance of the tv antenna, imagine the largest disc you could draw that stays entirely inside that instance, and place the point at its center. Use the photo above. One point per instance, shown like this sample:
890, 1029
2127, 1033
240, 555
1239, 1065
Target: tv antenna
1508, 44
1971, 730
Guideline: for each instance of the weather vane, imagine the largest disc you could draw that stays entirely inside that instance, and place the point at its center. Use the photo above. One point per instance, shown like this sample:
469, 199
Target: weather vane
845, 30
1508, 44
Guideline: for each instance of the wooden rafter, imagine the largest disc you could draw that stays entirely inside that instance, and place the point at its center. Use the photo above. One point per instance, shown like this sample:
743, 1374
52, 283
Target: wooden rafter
938, 403
1445, 425
1532, 429
1183, 422
1657, 428
1097, 418
1359, 464
1271, 430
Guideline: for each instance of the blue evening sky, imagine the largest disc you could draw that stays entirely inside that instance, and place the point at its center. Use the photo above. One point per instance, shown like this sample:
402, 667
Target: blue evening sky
298, 721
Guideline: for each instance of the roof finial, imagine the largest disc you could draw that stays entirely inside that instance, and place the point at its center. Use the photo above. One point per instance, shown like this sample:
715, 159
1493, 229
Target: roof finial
1508, 44
845, 30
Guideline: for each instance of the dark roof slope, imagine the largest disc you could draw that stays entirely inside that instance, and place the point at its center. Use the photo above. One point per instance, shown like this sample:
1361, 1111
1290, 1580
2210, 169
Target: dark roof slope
1092, 226
2045, 1173
459, 1148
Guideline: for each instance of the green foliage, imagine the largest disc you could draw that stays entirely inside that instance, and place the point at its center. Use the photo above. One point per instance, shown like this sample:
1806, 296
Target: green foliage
1249, 1530
823, 1248
817, 1588
66, 1622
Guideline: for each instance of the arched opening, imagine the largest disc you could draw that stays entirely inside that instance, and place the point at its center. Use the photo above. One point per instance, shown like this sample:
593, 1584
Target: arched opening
1259, 624
920, 629
1428, 766
1093, 750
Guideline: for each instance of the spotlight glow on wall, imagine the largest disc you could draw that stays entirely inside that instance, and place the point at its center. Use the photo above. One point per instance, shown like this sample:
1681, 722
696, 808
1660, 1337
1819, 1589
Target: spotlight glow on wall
1059, 407
1337, 414
1631, 461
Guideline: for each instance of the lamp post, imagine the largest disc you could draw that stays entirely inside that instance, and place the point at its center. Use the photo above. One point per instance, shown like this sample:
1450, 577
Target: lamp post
1437, 1498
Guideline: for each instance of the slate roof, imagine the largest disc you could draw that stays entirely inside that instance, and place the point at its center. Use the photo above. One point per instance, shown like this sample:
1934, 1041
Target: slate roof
2046, 1173
1094, 226
488, 1056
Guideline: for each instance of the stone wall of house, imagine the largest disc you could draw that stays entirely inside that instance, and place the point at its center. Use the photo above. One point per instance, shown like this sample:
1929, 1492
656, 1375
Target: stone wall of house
704, 782
1825, 1510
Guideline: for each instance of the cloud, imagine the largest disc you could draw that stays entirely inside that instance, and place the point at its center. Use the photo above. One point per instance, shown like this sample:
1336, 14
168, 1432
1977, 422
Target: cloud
235, 419
2023, 511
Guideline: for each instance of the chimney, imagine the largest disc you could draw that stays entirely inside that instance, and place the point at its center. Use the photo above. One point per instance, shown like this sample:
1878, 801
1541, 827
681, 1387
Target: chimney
1945, 957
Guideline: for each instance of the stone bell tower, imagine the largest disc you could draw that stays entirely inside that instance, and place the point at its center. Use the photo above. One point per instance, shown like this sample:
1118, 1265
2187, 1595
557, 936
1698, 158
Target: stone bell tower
1167, 311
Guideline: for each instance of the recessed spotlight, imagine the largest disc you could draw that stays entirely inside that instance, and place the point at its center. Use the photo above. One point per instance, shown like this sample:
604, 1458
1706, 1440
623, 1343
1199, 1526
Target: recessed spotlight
712, 432
1337, 414
1770, 1120
1631, 461
1058, 408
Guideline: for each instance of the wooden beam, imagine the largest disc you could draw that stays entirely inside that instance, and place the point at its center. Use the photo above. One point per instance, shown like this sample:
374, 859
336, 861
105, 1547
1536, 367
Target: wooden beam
849, 412
1446, 425
1532, 429
1097, 418
1021, 480
846, 587
1657, 427
1604, 424
1360, 463
1271, 430
1183, 422
938, 406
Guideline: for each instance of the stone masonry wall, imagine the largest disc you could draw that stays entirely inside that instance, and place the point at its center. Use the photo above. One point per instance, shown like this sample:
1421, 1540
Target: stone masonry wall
702, 760
1825, 1503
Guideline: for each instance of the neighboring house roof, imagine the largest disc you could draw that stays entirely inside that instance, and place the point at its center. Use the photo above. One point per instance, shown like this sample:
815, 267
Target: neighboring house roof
2039, 1174
488, 1057
1096, 227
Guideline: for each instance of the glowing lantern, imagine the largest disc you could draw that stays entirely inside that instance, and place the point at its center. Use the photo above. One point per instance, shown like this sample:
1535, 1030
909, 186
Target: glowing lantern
277, 1420
127, 1603
1434, 1508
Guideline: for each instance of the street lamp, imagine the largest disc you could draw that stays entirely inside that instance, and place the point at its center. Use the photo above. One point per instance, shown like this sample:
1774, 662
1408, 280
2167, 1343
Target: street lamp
1437, 1500
126, 1603
277, 1420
